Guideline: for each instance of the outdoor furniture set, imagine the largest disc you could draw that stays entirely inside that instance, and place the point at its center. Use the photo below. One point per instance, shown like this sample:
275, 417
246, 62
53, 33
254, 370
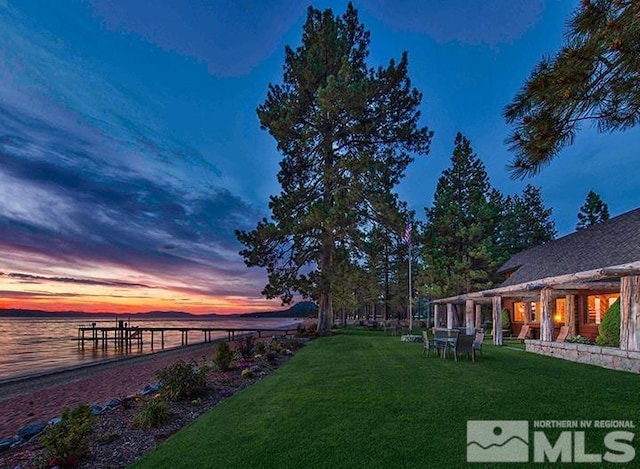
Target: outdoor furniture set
453, 341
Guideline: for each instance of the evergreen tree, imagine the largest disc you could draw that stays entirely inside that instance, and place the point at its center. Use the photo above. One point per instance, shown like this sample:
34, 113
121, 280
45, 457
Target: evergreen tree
593, 211
593, 77
345, 131
526, 222
459, 235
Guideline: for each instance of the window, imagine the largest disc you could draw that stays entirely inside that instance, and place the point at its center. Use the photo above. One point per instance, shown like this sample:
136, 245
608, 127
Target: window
519, 311
597, 305
560, 313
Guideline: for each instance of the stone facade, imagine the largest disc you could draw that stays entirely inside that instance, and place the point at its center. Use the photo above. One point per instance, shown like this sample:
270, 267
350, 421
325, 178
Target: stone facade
606, 357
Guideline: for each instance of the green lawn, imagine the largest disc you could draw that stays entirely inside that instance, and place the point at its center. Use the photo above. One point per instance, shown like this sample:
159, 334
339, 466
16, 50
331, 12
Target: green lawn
361, 399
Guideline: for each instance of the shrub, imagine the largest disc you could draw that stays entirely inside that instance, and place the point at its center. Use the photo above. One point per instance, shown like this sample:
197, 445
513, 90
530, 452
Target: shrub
506, 319
291, 343
183, 380
609, 329
272, 357
153, 413
68, 441
578, 339
246, 346
223, 356
260, 348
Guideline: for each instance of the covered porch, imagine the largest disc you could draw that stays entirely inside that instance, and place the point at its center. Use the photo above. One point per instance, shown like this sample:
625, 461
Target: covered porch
578, 301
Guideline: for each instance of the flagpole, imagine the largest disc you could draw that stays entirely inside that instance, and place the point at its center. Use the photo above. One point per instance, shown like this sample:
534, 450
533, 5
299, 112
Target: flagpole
410, 312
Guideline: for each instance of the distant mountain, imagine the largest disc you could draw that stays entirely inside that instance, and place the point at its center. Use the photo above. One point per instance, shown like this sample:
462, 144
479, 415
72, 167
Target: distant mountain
35, 313
303, 309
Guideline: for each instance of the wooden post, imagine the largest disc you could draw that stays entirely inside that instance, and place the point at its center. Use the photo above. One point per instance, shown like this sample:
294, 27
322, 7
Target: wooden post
546, 321
630, 313
436, 314
478, 317
449, 316
570, 314
527, 312
497, 319
468, 315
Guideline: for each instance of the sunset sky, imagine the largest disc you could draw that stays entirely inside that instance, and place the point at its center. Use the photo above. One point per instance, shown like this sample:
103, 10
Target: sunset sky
130, 149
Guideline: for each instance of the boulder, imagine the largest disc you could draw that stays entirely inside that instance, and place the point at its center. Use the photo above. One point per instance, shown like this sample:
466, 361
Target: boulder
29, 431
6, 443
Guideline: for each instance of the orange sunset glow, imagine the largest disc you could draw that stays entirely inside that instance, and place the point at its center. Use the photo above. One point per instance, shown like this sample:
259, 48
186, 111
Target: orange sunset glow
100, 295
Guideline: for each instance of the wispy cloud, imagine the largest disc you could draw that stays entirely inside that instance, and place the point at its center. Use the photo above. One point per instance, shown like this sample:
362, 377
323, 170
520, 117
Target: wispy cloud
94, 185
231, 38
489, 22
36, 279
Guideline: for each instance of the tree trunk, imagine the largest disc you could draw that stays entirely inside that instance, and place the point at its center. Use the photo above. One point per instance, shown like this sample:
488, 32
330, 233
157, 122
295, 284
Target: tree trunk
570, 314
546, 321
630, 313
325, 308
496, 311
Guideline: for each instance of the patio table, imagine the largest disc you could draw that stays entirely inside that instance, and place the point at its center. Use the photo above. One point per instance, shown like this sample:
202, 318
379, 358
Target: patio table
447, 341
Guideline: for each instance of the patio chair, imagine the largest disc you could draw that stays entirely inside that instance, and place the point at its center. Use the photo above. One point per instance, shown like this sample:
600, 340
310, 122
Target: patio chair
562, 335
440, 343
426, 345
477, 343
464, 344
524, 332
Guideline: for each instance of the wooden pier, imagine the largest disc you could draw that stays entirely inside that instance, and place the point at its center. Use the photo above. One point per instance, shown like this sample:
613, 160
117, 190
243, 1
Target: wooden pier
125, 337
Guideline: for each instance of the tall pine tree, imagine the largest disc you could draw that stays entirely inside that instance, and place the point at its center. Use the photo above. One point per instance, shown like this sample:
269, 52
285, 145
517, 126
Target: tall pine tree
346, 132
459, 234
594, 77
526, 222
593, 211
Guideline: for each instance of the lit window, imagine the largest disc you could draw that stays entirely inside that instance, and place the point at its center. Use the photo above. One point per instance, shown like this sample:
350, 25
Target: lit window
560, 313
519, 311
597, 306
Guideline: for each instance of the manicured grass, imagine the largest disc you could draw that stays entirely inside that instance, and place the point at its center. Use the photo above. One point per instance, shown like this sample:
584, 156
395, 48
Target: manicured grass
362, 399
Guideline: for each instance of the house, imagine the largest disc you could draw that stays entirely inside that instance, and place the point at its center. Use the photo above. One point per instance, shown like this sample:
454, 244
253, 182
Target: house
570, 281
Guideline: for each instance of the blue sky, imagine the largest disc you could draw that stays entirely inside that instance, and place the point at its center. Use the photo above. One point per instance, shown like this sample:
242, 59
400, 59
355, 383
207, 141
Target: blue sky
130, 148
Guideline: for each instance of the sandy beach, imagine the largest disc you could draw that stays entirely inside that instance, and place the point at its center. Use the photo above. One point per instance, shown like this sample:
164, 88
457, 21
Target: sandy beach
41, 398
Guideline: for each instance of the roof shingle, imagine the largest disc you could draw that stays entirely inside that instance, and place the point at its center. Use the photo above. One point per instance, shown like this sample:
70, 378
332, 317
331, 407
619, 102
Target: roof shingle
607, 244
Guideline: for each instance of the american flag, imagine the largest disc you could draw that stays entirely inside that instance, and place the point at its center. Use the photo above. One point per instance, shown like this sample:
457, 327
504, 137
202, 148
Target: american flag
407, 234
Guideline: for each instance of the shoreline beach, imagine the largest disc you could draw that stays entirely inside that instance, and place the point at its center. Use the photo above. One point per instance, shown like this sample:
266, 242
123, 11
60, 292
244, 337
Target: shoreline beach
42, 397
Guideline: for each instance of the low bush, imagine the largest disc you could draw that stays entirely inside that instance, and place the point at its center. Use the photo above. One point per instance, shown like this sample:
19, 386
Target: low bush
154, 413
246, 346
223, 356
272, 357
578, 339
67, 442
183, 380
609, 329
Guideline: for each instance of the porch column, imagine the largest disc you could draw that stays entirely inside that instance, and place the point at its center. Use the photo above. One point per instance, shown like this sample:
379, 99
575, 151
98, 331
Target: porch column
527, 312
630, 313
478, 317
468, 315
436, 314
449, 315
497, 319
570, 314
546, 321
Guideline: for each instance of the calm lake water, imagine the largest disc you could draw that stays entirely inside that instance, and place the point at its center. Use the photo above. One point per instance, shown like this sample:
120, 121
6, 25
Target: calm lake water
38, 345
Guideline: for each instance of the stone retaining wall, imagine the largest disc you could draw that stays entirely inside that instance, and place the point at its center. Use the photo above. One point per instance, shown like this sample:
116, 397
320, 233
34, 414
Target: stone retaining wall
606, 357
